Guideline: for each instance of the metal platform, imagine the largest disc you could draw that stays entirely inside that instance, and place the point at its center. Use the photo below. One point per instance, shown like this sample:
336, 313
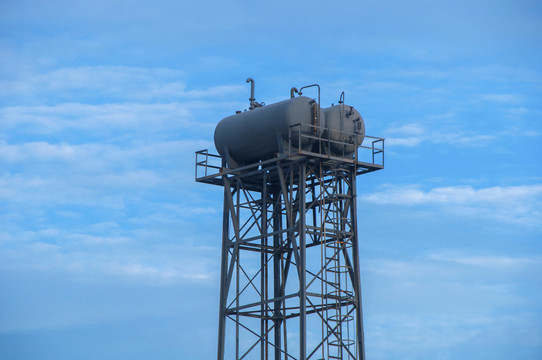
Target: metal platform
211, 168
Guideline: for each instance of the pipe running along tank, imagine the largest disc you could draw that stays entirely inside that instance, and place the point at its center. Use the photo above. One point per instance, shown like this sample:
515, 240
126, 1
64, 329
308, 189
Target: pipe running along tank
259, 134
345, 129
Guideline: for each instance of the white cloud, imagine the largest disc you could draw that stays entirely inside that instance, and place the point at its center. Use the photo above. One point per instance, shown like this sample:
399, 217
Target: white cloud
102, 190
128, 257
414, 134
97, 119
110, 84
461, 140
488, 261
93, 240
451, 268
513, 204
118, 81
37, 151
160, 275
388, 86
408, 129
445, 336
409, 195
447, 298
449, 139
429, 73
409, 135
408, 141
500, 98
46, 160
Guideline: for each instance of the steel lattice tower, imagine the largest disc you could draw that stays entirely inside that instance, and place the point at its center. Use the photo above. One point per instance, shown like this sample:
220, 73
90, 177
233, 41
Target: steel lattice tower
290, 276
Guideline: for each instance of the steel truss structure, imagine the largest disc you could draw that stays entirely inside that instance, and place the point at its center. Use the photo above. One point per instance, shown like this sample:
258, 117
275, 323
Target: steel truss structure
290, 279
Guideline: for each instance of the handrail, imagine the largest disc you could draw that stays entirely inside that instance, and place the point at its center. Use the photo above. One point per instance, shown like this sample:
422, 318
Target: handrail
301, 140
205, 162
305, 133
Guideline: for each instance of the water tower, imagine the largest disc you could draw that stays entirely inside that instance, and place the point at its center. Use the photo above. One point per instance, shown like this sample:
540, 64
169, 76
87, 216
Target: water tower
290, 277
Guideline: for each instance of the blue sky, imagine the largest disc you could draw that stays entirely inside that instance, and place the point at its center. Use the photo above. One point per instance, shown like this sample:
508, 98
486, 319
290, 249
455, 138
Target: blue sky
110, 250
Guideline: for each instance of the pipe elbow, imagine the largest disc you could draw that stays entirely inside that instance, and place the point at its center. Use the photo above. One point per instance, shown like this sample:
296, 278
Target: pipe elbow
251, 99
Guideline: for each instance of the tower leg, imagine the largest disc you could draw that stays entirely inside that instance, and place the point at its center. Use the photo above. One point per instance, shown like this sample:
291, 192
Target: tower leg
277, 293
223, 276
357, 283
302, 264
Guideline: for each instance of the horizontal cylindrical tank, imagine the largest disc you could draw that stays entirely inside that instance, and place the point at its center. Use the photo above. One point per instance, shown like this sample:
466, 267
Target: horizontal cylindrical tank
344, 128
258, 134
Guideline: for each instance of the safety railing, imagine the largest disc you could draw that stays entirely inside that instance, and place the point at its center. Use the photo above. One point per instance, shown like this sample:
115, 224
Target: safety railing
309, 139
377, 147
206, 161
314, 139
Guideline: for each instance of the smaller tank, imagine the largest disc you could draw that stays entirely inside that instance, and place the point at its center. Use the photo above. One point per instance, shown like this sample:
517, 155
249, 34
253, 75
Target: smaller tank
344, 128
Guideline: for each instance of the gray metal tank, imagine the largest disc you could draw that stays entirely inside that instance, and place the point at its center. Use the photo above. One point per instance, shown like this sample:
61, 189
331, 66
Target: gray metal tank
259, 134
345, 128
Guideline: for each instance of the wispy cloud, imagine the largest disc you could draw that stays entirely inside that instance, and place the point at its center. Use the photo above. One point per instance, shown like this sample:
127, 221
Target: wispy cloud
128, 257
414, 134
410, 195
470, 293
109, 84
97, 156
500, 262
441, 336
100, 119
160, 275
520, 204
450, 267
500, 98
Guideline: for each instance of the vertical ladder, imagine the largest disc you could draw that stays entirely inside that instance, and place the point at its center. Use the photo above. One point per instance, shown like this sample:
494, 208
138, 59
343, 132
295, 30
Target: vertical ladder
338, 325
